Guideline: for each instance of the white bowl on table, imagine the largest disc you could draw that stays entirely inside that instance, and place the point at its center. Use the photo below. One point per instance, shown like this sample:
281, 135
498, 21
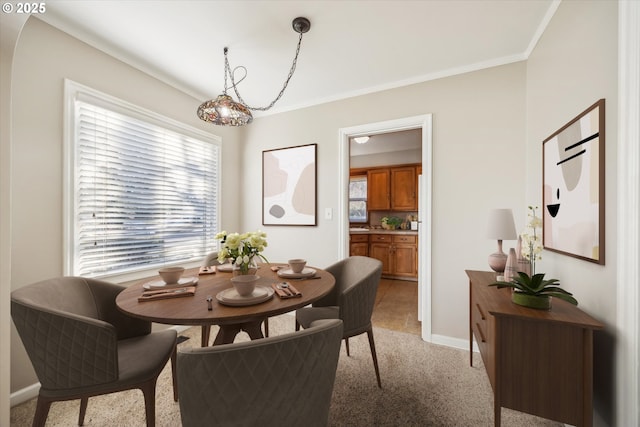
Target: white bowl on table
297, 265
245, 284
171, 275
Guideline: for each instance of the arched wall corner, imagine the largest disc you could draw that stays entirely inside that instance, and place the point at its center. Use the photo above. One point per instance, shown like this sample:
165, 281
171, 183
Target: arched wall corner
10, 27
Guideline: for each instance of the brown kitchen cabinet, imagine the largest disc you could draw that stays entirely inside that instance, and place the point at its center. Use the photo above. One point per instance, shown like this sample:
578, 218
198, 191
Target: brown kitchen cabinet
378, 190
404, 189
380, 249
358, 244
538, 361
405, 255
393, 188
398, 254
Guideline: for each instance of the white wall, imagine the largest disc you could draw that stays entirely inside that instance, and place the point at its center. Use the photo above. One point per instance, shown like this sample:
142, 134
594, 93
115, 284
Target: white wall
478, 121
44, 58
574, 65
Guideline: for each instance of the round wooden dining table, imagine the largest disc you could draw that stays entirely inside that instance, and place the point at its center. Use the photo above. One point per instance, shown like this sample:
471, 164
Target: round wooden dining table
196, 310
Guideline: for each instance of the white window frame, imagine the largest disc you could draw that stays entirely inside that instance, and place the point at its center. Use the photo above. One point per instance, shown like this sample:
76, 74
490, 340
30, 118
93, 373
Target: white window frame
359, 199
76, 92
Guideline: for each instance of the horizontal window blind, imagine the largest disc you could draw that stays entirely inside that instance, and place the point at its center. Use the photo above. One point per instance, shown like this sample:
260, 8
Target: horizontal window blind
145, 195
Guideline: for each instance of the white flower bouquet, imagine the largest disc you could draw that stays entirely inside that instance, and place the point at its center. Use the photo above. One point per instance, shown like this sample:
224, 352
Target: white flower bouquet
532, 239
242, 248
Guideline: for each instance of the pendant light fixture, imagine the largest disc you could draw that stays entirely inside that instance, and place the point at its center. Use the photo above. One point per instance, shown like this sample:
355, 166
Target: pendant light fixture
224, 110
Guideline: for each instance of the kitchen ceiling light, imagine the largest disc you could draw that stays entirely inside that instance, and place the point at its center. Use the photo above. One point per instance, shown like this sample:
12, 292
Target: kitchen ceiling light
224, 110
361, 139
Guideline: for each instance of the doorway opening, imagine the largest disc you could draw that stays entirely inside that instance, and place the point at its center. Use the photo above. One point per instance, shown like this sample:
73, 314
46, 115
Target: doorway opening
424, 124
395, 307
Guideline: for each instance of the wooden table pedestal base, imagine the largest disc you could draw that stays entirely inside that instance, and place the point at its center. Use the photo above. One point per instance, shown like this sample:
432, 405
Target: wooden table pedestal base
227, 333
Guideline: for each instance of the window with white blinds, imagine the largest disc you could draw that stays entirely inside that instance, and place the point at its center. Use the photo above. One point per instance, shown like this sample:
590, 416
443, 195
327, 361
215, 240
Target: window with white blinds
144, 189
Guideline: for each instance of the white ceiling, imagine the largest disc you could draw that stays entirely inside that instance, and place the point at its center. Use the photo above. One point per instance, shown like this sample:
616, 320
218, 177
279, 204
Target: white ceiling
353, 47
406, 140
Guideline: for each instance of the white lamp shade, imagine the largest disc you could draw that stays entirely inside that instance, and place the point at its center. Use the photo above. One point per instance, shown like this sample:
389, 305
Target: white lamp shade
501, 225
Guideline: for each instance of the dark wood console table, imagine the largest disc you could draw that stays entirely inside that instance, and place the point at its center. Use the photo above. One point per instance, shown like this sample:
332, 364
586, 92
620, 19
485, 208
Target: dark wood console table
539, 362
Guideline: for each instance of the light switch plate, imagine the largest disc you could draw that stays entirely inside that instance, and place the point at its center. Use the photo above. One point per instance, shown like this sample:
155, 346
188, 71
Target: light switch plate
328, 213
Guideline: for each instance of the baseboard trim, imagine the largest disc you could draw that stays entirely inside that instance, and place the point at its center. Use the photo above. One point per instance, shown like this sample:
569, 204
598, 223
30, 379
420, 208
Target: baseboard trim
24, 394
460, 344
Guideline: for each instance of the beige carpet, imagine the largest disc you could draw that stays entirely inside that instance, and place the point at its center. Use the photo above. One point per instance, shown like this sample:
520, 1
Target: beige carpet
423, 385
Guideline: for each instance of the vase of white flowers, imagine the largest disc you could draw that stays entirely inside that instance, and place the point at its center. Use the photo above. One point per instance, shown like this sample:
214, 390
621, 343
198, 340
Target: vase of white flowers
243, 250
522, 264
531, 248
530, 289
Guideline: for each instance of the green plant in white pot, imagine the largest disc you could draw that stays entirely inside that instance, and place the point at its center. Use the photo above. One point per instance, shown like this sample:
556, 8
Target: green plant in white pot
390, 222
535, 292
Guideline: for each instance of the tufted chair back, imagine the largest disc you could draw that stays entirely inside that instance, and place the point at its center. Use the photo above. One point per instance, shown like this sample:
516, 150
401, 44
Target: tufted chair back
285, 380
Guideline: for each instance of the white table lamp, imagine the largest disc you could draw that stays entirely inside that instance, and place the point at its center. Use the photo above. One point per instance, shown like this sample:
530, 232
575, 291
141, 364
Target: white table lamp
501, 227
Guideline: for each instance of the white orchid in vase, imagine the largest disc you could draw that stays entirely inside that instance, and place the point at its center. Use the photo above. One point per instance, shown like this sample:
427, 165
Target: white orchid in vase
242, 248
532, 239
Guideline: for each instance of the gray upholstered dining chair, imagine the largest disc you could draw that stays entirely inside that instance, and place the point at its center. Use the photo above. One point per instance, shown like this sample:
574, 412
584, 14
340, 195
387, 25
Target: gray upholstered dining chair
284, 380
351, 300
210, 259
81, 345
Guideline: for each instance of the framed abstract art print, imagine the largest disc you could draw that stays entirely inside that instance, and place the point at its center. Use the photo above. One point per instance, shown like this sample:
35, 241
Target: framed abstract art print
573, 187
289, 186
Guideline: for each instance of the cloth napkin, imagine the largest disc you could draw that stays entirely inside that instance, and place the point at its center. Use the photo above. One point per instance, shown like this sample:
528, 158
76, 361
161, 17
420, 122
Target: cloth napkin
208, 270
282, 293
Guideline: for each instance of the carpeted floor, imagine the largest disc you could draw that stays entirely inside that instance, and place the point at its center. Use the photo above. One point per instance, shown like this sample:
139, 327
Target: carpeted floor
422, 385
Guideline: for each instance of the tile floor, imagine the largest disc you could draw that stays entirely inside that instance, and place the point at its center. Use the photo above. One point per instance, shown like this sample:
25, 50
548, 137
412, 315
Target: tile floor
396, 306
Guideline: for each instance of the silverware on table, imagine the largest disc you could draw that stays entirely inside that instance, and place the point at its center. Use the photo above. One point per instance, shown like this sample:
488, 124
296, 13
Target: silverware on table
166, 291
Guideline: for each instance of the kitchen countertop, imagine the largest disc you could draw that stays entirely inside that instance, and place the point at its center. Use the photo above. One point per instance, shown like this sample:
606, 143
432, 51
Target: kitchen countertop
381, 231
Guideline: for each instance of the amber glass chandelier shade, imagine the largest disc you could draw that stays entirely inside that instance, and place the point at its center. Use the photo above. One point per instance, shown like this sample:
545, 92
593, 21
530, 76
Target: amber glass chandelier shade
225, 111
